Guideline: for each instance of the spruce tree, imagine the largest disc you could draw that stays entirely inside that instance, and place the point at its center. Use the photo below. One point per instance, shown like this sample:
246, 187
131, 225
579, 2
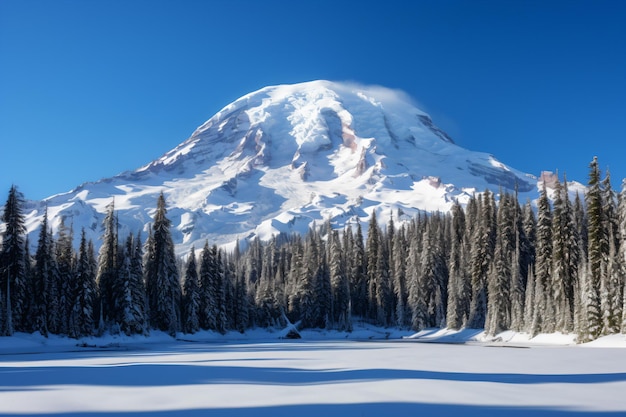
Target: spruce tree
373, 247
165, 298
191, 295
500, 274
400, 255
611, 285
564, 260
358, 275
131, 294
340, 286
481, 257
208, 297
66, 264
544, 319
622, 247
597, 250
42, 277
82, 317
107, 268
13, 278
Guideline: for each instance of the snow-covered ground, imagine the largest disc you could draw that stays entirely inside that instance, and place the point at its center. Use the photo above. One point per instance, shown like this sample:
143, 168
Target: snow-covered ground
369, 372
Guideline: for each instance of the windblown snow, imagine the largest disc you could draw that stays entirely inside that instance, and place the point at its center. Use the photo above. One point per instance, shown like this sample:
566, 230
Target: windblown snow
286, 158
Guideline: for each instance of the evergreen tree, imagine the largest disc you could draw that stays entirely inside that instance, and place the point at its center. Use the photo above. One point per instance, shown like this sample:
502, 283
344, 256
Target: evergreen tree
597, 249
544, 318
13, 279
165, 298
500, 276
622, 247
107, 268
340, 286
373, 246
43, 275
359, 275
611, 285
65, 260
458, 293
481, 257
564, 259
131, 296
400, 255
191, 297
417, 297
306, 294
519, 268
221, 320
82, 318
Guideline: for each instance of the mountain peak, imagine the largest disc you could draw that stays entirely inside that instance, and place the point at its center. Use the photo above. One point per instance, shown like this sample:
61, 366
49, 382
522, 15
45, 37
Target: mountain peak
282, 158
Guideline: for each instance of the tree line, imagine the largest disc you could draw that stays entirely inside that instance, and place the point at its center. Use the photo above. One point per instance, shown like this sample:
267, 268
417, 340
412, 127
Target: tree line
496, 265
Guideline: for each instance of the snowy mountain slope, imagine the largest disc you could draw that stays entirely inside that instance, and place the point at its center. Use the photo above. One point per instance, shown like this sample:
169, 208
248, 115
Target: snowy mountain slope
284, 158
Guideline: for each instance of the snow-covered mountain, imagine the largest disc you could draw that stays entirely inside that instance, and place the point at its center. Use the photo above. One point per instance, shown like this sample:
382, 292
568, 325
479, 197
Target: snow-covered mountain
285, 158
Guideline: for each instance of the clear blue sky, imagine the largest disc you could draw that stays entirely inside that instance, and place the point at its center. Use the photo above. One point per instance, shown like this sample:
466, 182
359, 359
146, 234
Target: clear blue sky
89, 89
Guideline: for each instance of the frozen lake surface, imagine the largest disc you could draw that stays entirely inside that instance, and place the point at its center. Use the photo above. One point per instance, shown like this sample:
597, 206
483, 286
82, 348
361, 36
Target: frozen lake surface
312, 378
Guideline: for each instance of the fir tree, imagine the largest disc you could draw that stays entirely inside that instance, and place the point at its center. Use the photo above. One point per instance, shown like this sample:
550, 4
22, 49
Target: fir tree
622, 247
13, 278
131, 301
458, 294
500, 275
400, 255
358, 275
65, 260
340, 286
481, 256
191, 297
165, 298
42, 277
564, 259
107, 267
611, 285
597, 250
82, 318
373, 247
544, 319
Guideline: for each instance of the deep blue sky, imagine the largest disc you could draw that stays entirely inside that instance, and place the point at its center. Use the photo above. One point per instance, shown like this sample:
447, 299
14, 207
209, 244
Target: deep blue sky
89, 89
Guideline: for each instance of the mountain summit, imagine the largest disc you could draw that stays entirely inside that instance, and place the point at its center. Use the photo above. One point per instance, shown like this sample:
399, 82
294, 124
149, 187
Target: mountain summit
287, 157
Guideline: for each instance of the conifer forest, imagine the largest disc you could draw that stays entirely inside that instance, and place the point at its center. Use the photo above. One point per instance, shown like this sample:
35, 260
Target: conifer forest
496, 264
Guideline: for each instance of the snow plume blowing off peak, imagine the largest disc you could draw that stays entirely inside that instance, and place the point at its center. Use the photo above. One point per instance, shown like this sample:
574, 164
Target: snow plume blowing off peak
286, 158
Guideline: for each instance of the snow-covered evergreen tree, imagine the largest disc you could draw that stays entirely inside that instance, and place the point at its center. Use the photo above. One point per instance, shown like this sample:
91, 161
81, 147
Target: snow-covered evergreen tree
500, 273
13, 278
131, 295
564, 259
165, 298
43, 275
621, 216
373, 247
191, 295
400, 286
82, 318
66, 263
341, 313
481, 257
611, 285
358, 275
544, 318
107, 268
597, 242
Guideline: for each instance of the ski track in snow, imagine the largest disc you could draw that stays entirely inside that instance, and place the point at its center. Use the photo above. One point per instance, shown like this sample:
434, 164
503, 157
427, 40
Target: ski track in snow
259, 375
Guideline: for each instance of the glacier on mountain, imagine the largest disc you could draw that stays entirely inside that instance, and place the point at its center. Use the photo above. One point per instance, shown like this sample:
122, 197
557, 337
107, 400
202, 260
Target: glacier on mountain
286, 158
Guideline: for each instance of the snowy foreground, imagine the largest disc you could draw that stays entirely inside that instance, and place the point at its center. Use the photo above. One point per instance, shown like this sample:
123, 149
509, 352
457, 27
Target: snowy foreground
335, 374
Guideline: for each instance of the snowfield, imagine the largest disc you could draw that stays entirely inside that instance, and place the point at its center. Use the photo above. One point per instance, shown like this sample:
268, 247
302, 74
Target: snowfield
329, 374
